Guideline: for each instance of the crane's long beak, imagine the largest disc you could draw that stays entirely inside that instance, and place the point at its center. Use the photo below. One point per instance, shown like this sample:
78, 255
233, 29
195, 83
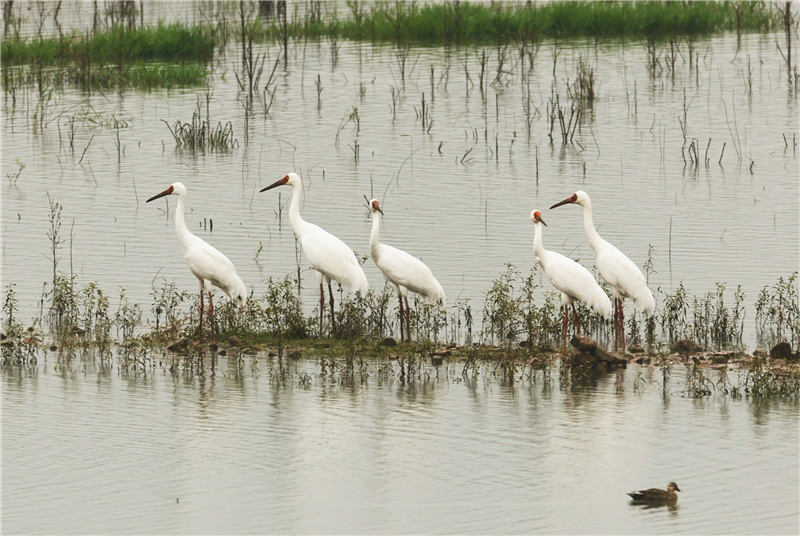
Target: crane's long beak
564, 202
278, 182
162, 194
542, 221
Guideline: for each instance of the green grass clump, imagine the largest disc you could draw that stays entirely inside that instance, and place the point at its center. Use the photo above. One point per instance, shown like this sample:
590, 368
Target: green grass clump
164, 42
171, 55
479, 22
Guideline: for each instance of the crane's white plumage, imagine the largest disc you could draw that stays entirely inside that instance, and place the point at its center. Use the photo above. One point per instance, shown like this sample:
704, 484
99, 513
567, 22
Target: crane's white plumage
625, 278
405, 271
573, 280
205, 261
330, 257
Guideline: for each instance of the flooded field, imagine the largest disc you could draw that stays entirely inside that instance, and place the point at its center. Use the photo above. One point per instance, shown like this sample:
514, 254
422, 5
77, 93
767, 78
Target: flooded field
690, 156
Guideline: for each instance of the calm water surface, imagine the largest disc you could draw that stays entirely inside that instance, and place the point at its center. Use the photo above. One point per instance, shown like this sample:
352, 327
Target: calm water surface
99, 450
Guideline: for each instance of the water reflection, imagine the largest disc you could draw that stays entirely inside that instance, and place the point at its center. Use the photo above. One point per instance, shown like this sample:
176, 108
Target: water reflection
253, 445
670, 506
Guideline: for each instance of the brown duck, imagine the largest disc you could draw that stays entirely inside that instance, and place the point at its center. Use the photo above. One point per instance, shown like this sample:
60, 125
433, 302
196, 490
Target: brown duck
655, 494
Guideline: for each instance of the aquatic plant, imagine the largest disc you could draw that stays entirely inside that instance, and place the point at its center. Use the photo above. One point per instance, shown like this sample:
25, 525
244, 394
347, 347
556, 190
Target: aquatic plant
378, 320
13, 177
167, 304
501, 308
145, 57
428, 320
118, 45
778, 311
761, 382
674, 314
697, 384
350, 324
127, 318
200, 135
18, 346
282, 312
459, 22
461, 321
96, 321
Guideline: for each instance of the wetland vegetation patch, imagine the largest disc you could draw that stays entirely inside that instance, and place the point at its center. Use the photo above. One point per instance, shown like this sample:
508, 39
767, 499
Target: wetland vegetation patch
466, 22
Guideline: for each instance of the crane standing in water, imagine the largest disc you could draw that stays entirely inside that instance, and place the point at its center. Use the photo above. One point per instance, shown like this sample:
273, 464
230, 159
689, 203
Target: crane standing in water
206, 262
573, 280
625, 278
405, 271
330, 257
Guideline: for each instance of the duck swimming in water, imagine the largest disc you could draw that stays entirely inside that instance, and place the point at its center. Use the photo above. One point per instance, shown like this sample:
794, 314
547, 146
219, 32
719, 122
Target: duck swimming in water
656, 494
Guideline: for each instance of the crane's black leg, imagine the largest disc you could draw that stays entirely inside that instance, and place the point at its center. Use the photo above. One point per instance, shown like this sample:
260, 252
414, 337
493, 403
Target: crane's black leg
400, 299
576, 320
321, 305
408, 321
566, 315
202, 306
616, 323
622, 324
333, 315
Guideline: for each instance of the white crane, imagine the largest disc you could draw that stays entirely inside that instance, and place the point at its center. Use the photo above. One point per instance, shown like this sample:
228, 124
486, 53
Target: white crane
330, 257
206, 262
405, 271
573, 280
625, 278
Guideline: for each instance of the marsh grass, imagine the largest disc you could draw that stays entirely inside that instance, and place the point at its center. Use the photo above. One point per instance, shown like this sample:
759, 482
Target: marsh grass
172, 55
18, 347
778, 311
761, 382
200, 135
83, 321
510, 313
117, 46
461, 22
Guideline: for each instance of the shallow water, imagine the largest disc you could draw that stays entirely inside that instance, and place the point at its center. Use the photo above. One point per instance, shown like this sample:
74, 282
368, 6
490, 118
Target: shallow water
89, 449
465, 216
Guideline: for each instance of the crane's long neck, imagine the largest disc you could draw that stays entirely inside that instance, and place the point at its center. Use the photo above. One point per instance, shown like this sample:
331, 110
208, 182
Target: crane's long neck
297, 221
374, 244
588, 226
184, 235
538, 248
